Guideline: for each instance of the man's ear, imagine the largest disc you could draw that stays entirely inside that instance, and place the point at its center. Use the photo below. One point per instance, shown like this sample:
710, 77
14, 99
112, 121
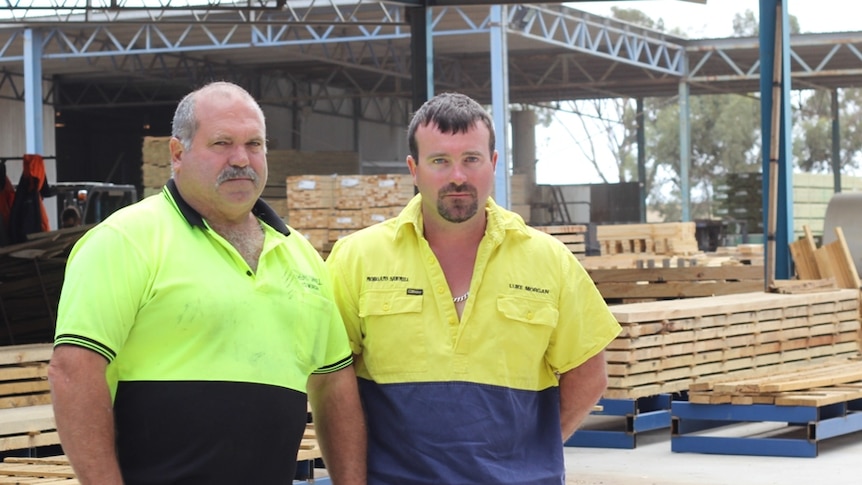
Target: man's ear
177, 150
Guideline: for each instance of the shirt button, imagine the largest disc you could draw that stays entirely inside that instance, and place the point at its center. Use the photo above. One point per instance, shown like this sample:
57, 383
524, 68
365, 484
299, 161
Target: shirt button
440, 290
529, 315
249, 273
386, 307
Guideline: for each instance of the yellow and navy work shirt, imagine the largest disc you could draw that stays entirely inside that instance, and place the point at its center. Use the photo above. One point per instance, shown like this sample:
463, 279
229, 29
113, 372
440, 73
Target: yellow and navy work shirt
474, 401
207, 360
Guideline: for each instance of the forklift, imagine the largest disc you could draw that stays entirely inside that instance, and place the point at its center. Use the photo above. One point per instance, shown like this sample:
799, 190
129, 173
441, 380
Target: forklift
94, 201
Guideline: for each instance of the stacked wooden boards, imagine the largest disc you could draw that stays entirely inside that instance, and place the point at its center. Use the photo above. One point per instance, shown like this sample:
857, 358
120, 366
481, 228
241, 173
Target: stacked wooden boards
26, 417
31, 277
573, 236
832, 260
807, 384
679, 282
658, 238
669, 345
325, 208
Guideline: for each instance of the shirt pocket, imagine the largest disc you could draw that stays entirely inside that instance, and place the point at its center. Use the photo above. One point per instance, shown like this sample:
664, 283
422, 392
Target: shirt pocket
394, 336
526, 326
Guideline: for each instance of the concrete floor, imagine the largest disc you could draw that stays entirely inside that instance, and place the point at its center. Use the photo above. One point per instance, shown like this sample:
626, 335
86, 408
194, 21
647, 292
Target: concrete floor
652, 462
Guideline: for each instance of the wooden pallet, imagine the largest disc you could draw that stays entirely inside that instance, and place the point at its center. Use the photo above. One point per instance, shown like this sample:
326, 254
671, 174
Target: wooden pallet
679, 282
660, 238
573, 236
43, 471
666, 346
26, 417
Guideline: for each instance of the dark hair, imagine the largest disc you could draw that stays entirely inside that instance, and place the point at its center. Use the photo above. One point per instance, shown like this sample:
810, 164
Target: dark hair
451, 113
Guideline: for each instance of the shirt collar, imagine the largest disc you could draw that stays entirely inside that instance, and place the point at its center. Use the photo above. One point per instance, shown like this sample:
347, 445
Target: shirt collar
261, 210
499, 220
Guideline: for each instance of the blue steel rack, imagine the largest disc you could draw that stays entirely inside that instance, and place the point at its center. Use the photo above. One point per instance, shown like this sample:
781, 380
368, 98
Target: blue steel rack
642, 414
812, 423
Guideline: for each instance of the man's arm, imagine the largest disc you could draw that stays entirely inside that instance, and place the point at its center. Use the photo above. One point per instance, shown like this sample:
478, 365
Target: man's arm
580, 389
84, 414
339, 424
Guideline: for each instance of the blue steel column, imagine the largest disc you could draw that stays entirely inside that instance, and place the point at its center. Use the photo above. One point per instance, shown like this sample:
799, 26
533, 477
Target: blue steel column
500, 103
771, 12
34, 139
641, 137
684, 147
836, 142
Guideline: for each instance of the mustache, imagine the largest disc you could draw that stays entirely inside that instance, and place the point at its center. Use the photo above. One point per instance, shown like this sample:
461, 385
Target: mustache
232, 173
453, 188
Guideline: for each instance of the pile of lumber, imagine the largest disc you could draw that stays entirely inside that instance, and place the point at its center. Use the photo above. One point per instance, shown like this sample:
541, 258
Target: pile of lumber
831, 261
325, 208
26, 417
670, 238
31, 277
281, 164
573, 236
625, 285
806, 385
667, 346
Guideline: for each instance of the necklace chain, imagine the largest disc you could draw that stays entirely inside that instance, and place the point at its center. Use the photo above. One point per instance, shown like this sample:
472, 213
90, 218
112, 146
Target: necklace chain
459, 299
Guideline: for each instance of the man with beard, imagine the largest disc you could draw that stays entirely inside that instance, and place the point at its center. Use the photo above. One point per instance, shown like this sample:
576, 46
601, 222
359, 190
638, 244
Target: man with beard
195, 327
478, 340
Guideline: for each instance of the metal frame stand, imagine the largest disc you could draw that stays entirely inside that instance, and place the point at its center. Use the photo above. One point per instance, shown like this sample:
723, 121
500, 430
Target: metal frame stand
806, 427
642, 414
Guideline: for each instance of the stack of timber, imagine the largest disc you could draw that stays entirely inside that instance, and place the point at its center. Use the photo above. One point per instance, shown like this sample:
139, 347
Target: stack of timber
670, 238
309, 204
808, 384
31, 277
326, 208
652, 283
47, 470
573, 236
667, 346
281, 164
26, 417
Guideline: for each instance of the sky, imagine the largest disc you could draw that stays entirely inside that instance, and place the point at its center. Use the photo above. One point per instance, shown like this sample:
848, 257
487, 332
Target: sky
712, 20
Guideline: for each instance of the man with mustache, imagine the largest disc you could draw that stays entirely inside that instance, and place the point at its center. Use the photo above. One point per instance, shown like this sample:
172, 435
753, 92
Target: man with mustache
478, 340
195, 327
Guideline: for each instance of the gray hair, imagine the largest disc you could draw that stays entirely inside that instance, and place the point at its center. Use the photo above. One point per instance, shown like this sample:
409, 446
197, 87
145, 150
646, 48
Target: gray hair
185, 124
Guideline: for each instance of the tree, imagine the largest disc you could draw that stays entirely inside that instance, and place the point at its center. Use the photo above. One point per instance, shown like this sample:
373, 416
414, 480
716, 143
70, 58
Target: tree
812, 145
746, 24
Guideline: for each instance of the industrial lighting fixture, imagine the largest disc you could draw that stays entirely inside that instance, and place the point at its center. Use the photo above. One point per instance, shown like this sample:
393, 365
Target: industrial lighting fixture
523, 16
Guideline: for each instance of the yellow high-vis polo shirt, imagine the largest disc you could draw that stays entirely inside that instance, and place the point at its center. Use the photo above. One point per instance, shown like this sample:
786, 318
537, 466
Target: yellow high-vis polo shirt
207, 360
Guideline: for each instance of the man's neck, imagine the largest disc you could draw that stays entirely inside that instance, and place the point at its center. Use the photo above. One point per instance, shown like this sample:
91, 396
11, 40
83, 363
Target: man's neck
455, 234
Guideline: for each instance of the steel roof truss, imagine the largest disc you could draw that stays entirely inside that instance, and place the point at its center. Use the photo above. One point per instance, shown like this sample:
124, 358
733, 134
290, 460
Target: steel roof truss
601, 39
